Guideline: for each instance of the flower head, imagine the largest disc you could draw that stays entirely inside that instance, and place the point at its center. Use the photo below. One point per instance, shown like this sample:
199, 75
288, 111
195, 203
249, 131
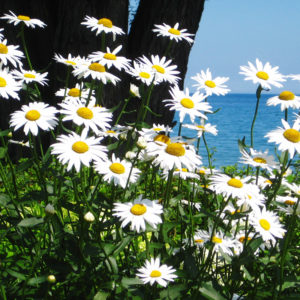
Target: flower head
138, 213
8, 85
186, 104
75, 150
30, 76
265, 75
153, 272
12, 18
173, 33
10, 53
211, 86
33, 116
285, 99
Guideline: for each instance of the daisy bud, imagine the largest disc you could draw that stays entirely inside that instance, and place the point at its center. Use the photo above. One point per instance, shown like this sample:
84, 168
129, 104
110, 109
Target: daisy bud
51, 279
130, 155
9, 135
123, 136
89, 217
141, 143
49, 209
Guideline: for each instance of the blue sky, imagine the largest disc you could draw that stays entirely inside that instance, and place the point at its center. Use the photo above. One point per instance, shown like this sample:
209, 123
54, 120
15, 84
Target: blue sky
233, 32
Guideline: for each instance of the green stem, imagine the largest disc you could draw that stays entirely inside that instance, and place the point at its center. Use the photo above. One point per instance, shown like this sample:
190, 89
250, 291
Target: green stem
179, 129
258, 94
208, 153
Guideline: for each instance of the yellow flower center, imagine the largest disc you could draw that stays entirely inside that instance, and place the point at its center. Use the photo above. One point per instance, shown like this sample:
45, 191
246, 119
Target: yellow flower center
210, 84
174, 31
262, 75
32, 115
242, 239
187, 103
202, 172
105, 22
200, 126
162, 138
28, 75
138, 209
289, 202
23, 18
109, 56
292, 135
216, 240
85, 113
155, 273
235, 211
260, 160
3, 49
80, 147
175, 149
268, 181
97, 67
265, 224
159, 69
157, 129
286, 96
236, 183
70, 62
199, 241
2, 82
144, 75
110, 131
117, 168
74, 92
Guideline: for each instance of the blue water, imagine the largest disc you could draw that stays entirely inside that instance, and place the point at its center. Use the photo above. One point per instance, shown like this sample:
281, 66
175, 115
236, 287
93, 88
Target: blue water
233, 122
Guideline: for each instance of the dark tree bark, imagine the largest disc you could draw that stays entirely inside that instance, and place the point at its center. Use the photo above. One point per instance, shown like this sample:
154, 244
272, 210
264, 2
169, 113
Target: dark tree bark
64, 34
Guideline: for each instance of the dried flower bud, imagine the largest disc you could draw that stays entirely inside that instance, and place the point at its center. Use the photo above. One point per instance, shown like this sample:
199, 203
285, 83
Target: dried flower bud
130, 155
51, 279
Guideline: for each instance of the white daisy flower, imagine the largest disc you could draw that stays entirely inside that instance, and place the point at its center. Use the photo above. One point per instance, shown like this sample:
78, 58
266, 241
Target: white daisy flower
201, 237
150, 133
288, 138
240, 240
30, 76
74, 150
110, 133
211, 86
174, 155
182, 173
154, 272
255, 200
204, 127
285, 99
231, 187
142, 72
287, 200
90, 116
33, 116
138, 213
222, 244
76, 94
10, 53
186, 104
258, 159
8, 85
117, 171
134, 91
96, 71
162, 68
267, 224
12, 18
197, 206
102, 25
294, 76
173, 33
264, 75
110, 58
71, 61
293, 187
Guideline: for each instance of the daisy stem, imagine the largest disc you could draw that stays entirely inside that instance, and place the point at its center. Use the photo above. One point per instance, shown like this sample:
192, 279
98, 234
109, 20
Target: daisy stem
179, 129
90, 92
168, 189
168, 48
258, 93
208, 153
24, 46
145, 108
123, 109
286, 114
103, 41
257, 174
198, 144
290, 232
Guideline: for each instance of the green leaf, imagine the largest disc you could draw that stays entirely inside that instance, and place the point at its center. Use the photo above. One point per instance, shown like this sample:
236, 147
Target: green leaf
122, 245
152, 112
30, 222
173, 292
209, 292
101, 296
16, 274
37, 280
5, 132
4, 199
3, 151
126, 281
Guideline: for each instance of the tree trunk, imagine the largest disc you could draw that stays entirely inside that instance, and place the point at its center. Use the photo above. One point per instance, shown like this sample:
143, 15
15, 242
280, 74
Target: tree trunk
64, 34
